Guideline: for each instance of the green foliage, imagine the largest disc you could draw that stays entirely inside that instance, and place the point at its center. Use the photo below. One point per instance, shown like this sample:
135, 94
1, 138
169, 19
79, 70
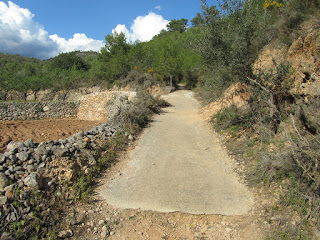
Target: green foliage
230, 116
197, 20
178, 25
114, 56
282, 131
41, 223
82, 186
68, 61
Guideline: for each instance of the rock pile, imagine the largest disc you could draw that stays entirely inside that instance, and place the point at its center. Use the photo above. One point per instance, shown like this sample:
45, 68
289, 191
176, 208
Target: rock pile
28, 166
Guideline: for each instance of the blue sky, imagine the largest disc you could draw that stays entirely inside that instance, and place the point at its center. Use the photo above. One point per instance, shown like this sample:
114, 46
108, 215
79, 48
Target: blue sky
44, 28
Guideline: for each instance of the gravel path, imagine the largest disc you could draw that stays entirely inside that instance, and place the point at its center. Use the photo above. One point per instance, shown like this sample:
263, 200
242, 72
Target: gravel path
179, 165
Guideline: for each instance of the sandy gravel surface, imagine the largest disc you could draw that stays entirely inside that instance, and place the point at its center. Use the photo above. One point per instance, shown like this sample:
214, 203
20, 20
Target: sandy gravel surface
178, 165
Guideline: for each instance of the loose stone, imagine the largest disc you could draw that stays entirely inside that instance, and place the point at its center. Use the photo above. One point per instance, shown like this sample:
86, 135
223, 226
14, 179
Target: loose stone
4, 181
34, 180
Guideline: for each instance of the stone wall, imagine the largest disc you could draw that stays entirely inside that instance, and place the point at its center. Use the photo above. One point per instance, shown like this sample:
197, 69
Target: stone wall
38, 110
93, 107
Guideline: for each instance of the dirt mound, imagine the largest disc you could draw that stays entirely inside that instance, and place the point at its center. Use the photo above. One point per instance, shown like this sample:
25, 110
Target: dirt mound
41, 130
236, 94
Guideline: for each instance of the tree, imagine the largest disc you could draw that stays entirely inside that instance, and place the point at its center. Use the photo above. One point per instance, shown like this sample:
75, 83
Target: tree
7, 78
116, 43
178, 25
197, 20
67, 61
115, 55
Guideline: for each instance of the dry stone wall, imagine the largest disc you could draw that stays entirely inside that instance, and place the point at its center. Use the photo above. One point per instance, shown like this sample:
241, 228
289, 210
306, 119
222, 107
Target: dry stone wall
38, 110
93, 107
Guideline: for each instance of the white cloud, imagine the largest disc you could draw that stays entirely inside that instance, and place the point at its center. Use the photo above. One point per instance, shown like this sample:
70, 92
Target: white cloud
144, 28
79, 42
19, 34
121, 28
158, 8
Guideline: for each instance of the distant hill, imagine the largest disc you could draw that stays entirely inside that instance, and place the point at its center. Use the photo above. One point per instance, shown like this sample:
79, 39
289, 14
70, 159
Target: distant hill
14, 58
85, 54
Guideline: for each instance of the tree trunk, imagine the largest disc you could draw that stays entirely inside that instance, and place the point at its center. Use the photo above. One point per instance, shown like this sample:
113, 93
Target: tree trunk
5, 96
35, 95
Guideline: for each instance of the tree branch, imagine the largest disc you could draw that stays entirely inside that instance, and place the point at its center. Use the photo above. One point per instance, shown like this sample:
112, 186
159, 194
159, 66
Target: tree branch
258, 84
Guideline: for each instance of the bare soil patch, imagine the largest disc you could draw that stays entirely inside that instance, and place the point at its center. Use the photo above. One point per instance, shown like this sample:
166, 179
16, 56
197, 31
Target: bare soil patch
41, 130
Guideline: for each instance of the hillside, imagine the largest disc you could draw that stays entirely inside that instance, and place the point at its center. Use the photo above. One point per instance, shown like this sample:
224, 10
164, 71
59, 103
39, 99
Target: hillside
255, 67
272, 121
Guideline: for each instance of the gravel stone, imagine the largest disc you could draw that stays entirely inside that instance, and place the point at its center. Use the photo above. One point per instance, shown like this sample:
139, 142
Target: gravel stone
41, 150
65, 234
101, 222
60, 152
3, 201
29, 143
4, 181
23, 156
2, 158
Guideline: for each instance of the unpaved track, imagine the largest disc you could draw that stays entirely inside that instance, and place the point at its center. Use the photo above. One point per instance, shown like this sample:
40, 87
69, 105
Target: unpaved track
178, 165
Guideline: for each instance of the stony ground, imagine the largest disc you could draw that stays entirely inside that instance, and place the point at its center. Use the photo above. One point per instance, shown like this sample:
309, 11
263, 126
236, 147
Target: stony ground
41, 130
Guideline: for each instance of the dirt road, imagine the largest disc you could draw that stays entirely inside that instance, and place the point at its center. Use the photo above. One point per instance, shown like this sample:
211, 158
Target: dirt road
179, 165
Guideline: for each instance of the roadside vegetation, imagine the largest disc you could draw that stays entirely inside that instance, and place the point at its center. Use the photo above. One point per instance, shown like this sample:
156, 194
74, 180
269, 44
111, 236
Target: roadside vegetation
277, 131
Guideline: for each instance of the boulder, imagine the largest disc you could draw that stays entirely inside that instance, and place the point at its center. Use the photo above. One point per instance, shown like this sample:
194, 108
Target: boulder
15, 145
23, 156
29, 143
60, 152
33, 180
41, 150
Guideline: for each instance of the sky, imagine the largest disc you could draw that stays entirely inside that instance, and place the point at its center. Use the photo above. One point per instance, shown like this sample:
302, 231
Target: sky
45, 28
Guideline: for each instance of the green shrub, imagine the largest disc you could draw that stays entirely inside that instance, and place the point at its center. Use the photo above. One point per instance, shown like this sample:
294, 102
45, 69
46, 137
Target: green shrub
229, 117
138, 111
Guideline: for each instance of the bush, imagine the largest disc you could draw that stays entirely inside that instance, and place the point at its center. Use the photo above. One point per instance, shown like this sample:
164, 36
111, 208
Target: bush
230, 116
213, 82
138, 111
